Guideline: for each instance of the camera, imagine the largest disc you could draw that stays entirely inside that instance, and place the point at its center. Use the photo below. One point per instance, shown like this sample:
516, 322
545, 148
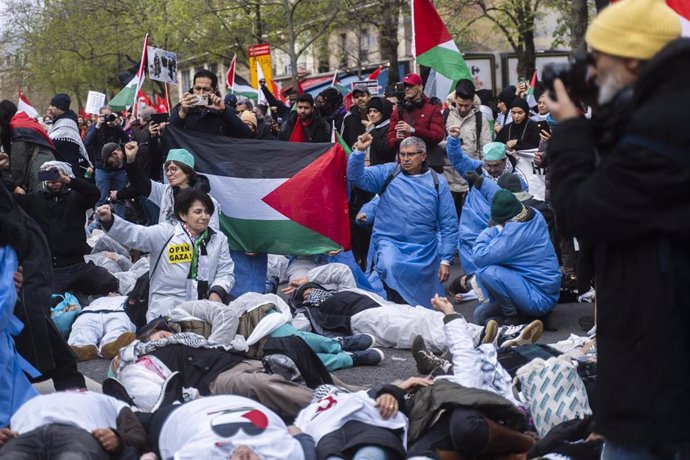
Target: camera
109, 118
51, 174
400, 91
575, 78
201, 100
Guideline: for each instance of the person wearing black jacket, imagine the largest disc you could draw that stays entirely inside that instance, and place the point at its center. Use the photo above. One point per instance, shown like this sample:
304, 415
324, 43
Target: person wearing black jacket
310, 127
59, 210
379, 114
105, 131
356, 120
215, 118
620, 183
39, 341
522, 133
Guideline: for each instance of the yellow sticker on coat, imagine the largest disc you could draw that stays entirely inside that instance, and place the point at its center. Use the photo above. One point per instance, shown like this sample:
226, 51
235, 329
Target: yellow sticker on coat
179, 253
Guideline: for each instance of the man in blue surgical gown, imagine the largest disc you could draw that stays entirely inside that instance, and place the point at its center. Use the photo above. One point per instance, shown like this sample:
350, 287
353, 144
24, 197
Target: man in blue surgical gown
415, 231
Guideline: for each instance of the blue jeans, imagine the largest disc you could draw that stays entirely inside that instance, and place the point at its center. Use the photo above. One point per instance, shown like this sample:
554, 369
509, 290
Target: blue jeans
366, 453
107, 180
617, 451
328, 350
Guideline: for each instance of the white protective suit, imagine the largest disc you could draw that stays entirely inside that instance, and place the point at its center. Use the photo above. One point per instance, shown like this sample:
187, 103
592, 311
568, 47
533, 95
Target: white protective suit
100, 323
170, 284
393, 325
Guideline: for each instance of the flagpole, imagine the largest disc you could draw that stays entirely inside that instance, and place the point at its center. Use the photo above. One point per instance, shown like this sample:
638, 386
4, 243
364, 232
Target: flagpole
413, 47
167, 99
140, 74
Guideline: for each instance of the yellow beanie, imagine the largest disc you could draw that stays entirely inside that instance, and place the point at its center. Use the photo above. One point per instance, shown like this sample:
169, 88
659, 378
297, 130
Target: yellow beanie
635, 29
249, 117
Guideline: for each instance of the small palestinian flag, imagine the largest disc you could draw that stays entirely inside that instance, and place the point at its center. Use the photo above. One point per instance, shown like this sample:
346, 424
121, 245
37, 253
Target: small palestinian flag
275, 197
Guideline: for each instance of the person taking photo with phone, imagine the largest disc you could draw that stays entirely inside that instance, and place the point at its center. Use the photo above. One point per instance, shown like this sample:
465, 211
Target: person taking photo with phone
203, 110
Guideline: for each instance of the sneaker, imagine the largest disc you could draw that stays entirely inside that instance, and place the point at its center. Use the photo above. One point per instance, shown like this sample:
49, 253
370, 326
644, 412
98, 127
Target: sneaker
589, 296
370, 357
489, 333
426, 361
85, 352
522, 335
110, 350
357, 342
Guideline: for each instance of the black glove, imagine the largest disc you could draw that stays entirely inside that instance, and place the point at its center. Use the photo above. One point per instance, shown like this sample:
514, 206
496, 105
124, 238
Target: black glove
474, 179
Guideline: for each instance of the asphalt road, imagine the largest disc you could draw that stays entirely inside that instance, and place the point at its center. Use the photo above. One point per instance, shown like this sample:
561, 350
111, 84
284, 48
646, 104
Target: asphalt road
399, 364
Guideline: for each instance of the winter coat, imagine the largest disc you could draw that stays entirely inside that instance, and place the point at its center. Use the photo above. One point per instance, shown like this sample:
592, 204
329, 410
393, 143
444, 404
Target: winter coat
352, 125
632, 207
169, 277
204, 120
469, 137
96, 138
427, 120
62, 218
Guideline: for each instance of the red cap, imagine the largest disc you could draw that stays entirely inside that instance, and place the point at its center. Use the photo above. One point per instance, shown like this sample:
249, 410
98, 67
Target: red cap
412, 79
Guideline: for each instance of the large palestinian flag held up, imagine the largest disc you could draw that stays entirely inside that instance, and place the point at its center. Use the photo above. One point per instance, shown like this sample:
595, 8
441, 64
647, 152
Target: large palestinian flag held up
275, 197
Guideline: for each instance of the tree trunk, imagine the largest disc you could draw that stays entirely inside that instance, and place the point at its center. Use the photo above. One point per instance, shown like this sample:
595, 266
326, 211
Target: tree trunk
389, 38
259, 26
528, 57
292, 42
579, 16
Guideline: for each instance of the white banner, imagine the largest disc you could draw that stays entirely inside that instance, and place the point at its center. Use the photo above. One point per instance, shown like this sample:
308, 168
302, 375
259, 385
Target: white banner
162, 65
535, 177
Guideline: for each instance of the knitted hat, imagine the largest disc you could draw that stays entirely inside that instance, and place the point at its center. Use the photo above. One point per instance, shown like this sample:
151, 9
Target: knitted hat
61, 101
382, 105
181, 156
504, 206
494, 151
230, 100
108, 150
635, 29
521, 104
248, 117
512, 183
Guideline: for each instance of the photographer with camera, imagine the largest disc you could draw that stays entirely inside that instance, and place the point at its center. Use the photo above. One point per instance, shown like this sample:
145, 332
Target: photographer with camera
417, 115
105, 131
620, 183
59, 209
203, 110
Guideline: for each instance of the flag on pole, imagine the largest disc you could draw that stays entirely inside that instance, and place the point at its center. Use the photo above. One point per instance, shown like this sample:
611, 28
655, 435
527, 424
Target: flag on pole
243, 88
127, 97
434, 47
336, 138
262, 195
230, 76
335, 77
375, 74
531, 101
23, 105
260, 97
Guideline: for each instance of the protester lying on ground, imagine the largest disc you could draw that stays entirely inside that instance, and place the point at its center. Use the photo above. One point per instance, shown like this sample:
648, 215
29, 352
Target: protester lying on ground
60, 211
332, 304
189, 260
226, 427
273, 319
415, 230
517, 265
179, 170
101, 329
213, 369
72, 424
481, 413
365, 424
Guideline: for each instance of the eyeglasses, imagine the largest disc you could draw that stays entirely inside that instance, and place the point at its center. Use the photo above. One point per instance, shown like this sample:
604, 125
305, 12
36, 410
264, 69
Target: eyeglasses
410, 154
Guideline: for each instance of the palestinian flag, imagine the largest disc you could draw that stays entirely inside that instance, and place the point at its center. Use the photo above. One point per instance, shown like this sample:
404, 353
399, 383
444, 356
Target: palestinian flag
127, 97
434, 47
237, 85
531, 100
23, 105
275, 197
